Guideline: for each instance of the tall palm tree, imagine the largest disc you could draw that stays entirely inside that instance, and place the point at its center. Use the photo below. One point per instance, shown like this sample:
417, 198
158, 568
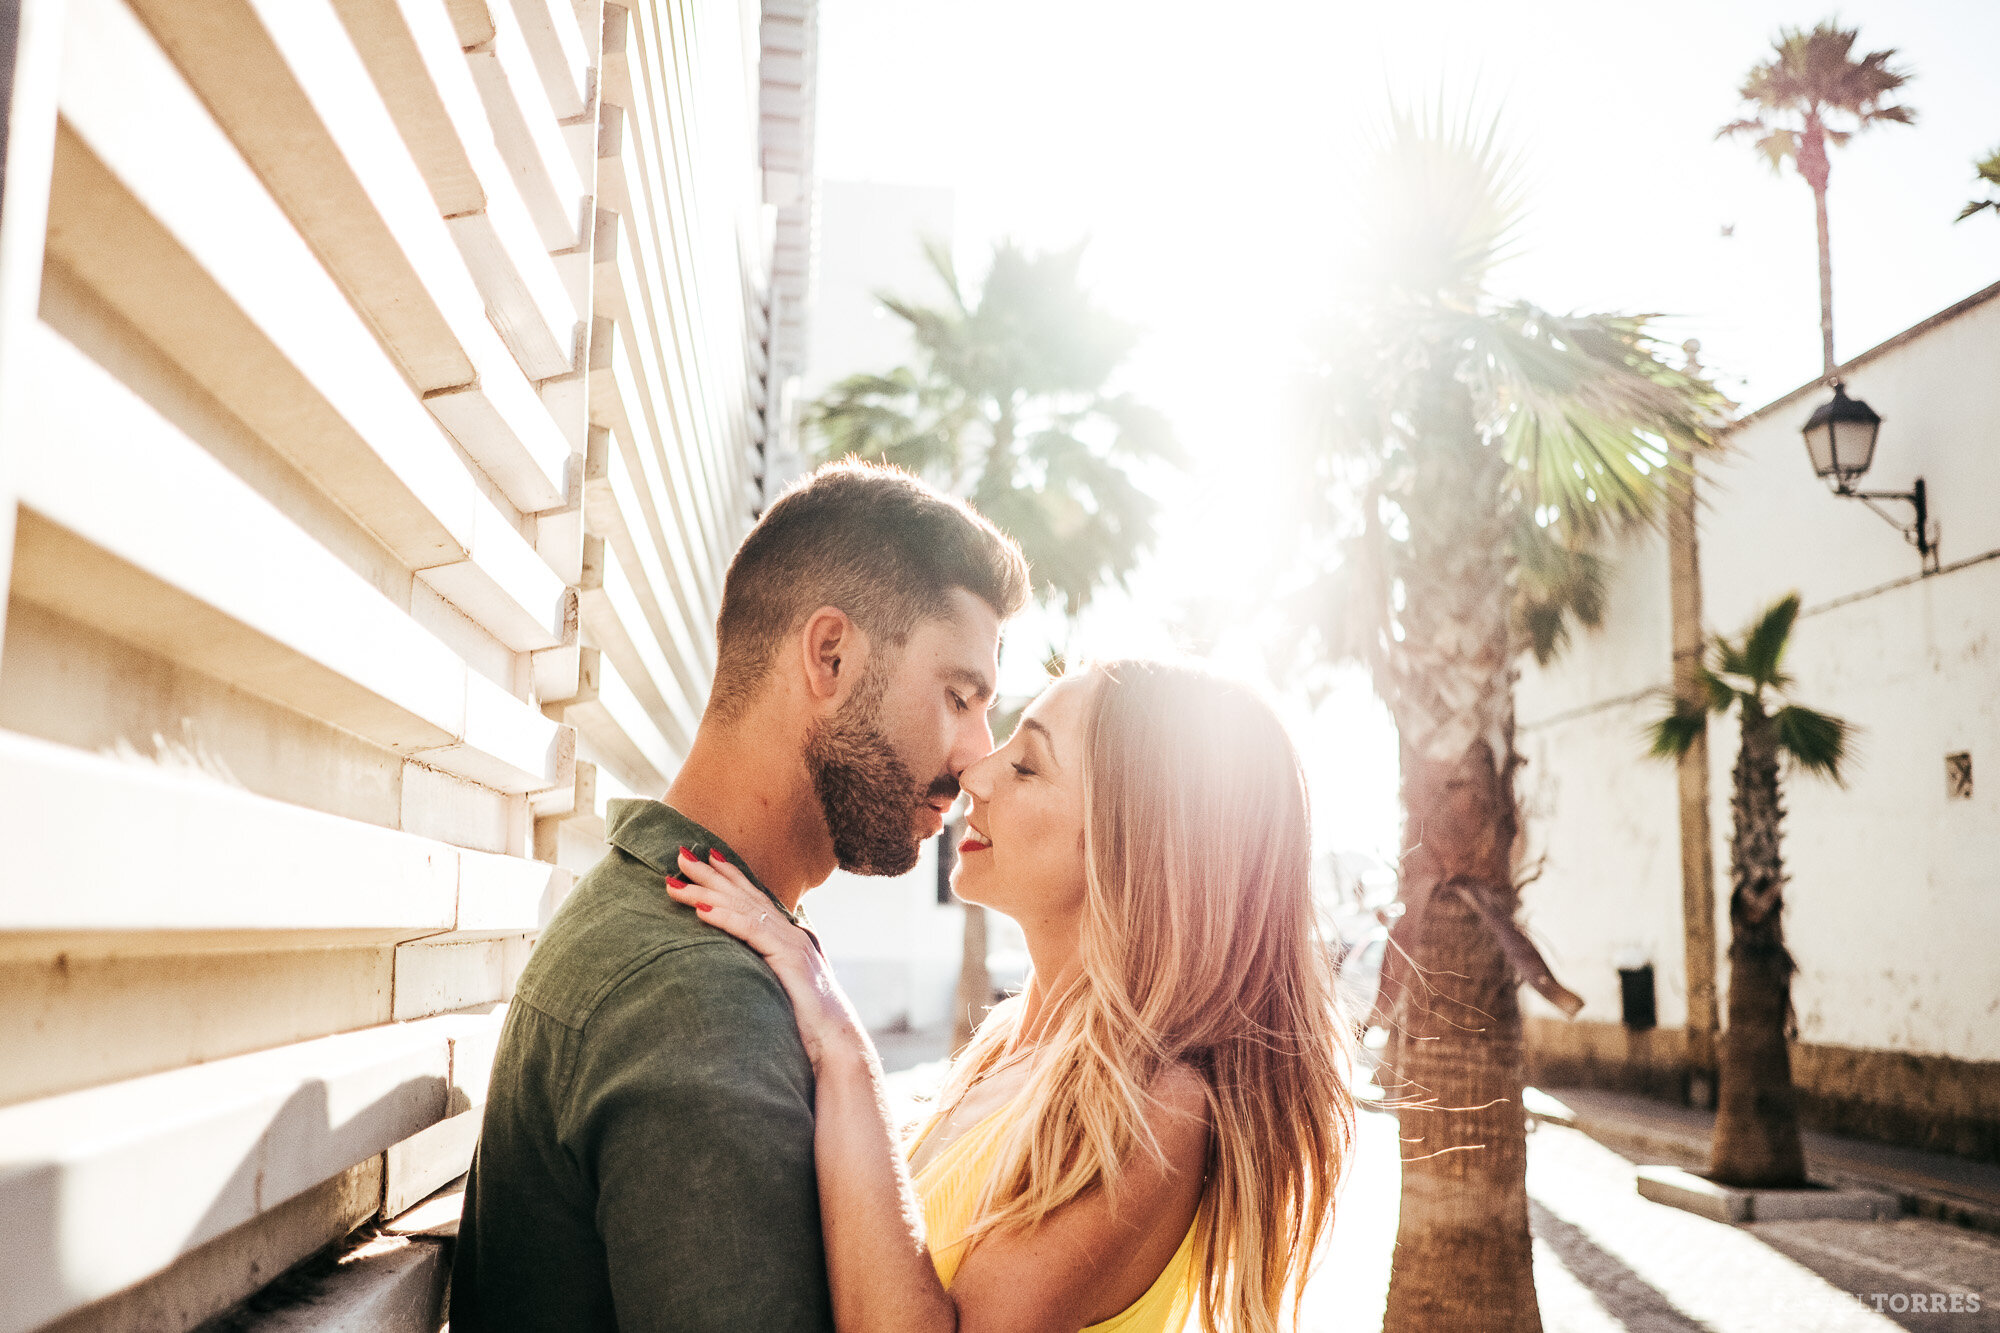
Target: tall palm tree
1469, 452
1757, 1114
1988, 169
1008, 405
1813, 92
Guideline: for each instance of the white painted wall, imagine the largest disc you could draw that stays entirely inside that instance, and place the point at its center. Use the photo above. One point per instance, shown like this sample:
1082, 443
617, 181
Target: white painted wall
1892, 911
894, 948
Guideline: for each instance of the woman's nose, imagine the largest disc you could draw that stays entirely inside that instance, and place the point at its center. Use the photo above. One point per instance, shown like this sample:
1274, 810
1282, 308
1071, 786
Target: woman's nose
978, 777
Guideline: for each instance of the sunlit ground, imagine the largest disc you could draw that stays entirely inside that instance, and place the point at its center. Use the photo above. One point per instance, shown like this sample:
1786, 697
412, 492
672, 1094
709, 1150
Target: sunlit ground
1210, 153
1608, 1261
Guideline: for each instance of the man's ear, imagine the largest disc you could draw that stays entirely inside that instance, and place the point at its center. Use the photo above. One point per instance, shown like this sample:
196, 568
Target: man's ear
834, 653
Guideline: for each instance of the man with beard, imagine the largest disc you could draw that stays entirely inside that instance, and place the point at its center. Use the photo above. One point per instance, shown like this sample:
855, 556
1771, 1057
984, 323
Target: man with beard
646, 1160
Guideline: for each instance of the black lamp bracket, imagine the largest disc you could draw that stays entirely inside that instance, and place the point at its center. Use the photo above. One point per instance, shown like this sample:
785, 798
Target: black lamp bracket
1920, 534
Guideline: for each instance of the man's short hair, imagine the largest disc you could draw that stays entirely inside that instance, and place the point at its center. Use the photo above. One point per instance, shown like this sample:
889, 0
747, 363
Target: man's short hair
872, 540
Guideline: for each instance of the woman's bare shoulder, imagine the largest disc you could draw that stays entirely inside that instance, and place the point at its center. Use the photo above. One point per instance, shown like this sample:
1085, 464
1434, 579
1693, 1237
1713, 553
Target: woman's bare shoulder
1180, 1114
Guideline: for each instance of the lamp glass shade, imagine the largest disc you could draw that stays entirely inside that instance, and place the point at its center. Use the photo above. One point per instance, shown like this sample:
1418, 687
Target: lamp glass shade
1840, 436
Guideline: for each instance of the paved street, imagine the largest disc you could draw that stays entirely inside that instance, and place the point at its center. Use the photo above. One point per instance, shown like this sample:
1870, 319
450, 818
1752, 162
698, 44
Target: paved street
1608, 1261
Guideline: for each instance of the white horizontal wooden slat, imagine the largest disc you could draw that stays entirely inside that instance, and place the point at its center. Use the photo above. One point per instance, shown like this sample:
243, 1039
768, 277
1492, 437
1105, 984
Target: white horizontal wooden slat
556, 41
435, 975
658, 296
240, 592
524, 127
115, 1183
193, 854
295, 98
500, 896
705, 283
619, 403
618, 624
508, 745
471, 21
414, 57
156, 211
616, 508
620, 731
506, 587
285, 84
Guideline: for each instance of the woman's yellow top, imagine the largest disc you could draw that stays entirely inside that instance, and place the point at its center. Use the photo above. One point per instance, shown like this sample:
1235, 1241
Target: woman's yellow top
949, 1187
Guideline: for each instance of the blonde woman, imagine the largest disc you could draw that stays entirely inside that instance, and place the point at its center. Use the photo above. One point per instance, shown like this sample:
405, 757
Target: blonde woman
1157, 1124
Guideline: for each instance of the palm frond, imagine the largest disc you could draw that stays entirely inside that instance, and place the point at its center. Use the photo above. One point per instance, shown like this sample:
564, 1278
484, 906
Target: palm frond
1763, 647
1719, 693
1817, 742
1812, 76
1987, 172
1448, 197
1558, 583
1588, 408
1674, 733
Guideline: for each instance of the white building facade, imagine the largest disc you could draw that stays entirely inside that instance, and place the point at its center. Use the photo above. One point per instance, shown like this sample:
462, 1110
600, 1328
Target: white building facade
1893, 905
384, 386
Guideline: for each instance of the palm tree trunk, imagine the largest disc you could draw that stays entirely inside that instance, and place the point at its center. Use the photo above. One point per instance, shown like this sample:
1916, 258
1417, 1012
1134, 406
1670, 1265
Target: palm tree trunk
1463, 1256
1757, 1116
1825, 281
1816, 168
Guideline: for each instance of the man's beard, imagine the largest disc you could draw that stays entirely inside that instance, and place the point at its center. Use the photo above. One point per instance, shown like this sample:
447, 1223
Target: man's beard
866, 791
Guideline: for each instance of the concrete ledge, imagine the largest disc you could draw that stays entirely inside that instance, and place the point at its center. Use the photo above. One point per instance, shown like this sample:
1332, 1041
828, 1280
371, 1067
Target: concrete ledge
389, 1284
1724, 1203
1934, 1185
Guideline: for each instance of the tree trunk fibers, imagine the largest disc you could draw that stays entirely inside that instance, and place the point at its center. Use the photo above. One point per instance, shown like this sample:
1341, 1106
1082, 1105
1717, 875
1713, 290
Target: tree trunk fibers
1757, 1115
1463, 1256
975, 984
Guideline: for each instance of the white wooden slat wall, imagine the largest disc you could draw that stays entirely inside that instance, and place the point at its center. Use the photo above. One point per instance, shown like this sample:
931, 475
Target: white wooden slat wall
382, 392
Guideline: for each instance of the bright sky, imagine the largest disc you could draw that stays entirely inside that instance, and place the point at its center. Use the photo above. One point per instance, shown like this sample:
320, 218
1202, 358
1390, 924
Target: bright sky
1208, 150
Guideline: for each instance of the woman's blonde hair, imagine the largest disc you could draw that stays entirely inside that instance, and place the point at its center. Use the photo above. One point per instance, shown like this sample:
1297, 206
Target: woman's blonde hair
1201, 945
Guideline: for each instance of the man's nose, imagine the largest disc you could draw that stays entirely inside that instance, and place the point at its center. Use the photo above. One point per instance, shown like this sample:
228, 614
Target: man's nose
975, 742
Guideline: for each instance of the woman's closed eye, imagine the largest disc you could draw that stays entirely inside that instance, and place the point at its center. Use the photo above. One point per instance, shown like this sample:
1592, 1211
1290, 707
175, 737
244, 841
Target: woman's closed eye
1022, 770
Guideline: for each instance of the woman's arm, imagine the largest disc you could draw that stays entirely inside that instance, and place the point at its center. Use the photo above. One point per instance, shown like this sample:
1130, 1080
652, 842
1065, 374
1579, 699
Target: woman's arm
877, 1264
1081, 1264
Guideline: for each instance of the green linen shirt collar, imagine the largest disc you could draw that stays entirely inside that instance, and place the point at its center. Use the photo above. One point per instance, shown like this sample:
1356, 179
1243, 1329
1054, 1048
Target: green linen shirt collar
653, 833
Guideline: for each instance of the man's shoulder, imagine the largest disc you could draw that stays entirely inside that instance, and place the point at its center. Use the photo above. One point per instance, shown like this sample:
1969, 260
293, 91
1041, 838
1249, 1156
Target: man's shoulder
618, 929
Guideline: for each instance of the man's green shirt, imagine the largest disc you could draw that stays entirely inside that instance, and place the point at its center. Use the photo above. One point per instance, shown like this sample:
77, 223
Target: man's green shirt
646, 1160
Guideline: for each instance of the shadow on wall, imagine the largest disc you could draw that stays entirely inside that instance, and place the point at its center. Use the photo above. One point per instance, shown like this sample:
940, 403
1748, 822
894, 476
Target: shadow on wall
125, 1208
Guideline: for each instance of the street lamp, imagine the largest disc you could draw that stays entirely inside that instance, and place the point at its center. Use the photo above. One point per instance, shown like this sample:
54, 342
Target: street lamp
1840, 440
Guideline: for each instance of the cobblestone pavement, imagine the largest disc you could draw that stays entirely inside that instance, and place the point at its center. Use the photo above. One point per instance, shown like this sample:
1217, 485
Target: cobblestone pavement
1608, 1261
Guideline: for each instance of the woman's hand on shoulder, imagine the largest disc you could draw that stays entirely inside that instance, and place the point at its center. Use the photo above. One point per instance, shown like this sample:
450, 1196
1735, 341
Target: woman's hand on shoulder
727, 900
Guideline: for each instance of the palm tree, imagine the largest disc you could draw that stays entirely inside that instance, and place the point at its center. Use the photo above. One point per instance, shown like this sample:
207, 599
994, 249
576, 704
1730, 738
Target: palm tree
1989, 176
1469, 453
1008, 405
1811, 81
1757, 1115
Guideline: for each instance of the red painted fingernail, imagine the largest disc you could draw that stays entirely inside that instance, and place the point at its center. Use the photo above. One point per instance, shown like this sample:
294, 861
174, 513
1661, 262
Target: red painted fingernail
677, 881
717, 858
704, 907
687, 855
